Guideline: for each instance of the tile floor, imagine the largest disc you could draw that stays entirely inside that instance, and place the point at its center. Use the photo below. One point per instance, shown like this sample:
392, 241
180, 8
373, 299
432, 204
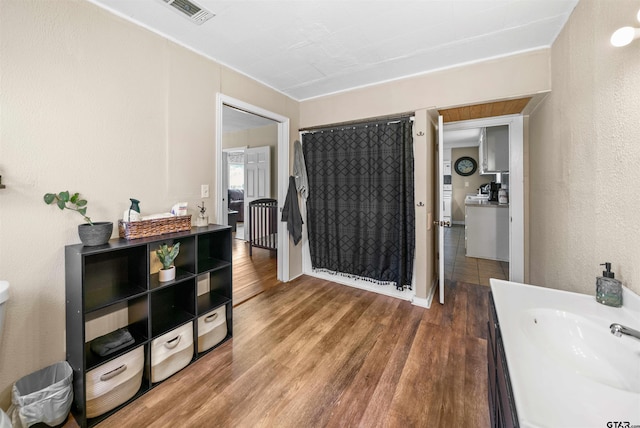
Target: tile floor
458, 267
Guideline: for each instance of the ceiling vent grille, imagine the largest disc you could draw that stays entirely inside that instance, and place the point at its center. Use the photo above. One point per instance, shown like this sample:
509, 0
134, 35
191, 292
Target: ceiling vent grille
191, 10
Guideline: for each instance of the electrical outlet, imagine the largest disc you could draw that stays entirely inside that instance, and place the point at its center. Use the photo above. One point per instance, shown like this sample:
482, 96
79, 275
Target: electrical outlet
466, 184
204, 191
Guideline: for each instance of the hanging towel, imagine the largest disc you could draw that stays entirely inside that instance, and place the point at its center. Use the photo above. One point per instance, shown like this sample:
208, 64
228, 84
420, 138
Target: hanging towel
300, 170
291, 212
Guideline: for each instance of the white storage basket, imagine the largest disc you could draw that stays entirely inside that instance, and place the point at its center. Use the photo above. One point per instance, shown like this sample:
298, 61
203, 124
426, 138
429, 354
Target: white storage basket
171, 352
212, 328
114, 382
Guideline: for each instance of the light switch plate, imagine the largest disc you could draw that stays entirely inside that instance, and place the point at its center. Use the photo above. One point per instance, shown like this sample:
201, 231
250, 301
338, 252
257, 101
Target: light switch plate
204, 191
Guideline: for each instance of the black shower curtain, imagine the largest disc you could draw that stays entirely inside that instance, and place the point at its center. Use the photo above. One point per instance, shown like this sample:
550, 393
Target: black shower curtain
360, 209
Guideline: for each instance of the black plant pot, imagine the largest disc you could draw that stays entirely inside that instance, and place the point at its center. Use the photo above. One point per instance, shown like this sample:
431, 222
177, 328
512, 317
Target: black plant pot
94, 234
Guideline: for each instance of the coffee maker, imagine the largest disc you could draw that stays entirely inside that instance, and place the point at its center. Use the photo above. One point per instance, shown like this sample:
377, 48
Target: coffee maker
493, 191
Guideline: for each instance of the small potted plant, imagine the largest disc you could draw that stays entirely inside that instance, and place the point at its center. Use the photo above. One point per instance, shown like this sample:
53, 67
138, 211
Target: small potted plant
167, 255
91, 233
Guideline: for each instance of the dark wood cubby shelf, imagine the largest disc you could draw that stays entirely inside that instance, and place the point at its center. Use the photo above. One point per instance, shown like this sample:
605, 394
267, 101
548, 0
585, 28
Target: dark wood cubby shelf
116, 278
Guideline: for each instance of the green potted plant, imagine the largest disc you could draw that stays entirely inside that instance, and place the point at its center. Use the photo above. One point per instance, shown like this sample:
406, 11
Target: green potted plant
167, 255
91, 233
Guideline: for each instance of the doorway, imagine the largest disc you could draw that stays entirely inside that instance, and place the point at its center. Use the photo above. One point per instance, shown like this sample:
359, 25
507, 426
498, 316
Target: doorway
455, 239
229, 111
461, 139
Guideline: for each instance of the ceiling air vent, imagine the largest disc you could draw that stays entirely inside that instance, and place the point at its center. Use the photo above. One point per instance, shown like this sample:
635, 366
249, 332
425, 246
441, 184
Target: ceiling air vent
192, 11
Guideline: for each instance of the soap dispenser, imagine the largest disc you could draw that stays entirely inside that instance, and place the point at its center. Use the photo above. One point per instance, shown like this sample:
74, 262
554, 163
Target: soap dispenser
608, 289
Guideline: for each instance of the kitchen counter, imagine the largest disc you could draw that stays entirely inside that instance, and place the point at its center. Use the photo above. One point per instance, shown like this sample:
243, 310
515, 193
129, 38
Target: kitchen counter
565, 367
485, 204
486, 230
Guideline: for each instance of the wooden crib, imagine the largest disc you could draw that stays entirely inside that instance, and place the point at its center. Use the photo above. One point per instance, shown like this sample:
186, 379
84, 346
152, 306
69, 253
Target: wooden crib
263, 224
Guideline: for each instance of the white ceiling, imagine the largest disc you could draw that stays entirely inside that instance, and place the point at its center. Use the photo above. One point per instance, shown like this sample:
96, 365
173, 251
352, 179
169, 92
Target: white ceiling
310, 48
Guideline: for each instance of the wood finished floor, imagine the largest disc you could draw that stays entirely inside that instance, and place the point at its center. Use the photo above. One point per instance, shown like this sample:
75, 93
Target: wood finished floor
312, 353
252, 275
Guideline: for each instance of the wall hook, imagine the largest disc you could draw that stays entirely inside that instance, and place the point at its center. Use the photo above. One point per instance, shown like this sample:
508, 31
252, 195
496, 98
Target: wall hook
420, 134
420, 204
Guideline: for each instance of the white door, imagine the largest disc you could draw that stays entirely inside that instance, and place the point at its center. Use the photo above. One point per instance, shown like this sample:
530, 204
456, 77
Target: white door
257, 178
442, 222
225, 185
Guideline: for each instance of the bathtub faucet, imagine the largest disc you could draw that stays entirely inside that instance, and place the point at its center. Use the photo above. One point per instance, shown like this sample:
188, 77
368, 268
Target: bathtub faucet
618, 330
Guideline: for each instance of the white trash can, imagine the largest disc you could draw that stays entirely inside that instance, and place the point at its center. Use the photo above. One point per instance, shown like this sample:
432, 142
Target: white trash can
4, 420
43, 396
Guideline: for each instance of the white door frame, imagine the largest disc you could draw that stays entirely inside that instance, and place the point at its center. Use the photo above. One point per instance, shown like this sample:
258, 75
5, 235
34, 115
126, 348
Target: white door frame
516, 184
441, 224
283, 172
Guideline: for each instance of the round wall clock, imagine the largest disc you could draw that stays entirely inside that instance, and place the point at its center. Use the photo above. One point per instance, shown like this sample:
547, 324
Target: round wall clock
465, 166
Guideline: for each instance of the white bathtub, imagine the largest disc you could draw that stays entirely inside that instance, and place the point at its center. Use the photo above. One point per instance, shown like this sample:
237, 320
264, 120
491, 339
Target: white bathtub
565, 366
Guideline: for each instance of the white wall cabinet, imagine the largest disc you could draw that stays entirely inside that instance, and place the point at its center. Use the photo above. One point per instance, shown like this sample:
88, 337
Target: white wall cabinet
494, 149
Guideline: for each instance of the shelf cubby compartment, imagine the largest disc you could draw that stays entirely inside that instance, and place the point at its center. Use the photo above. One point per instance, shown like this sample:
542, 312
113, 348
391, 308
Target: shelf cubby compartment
181, 275
210, 301
210, 336
219, 281
112, 277
185, 262
145, 386
214, 251
132, 314
172, 306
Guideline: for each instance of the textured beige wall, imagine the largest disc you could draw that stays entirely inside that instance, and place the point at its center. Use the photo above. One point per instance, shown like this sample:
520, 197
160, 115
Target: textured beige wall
460, 191
584, 155
257, 137
93, 103
508, 77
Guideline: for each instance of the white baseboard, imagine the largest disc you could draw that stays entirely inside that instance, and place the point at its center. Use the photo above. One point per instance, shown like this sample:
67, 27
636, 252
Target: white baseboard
385, 290
297, 276
426, 303
423, 303
432, 290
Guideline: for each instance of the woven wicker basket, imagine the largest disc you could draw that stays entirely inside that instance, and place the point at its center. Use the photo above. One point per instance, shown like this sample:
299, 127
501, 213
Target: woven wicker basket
159, 226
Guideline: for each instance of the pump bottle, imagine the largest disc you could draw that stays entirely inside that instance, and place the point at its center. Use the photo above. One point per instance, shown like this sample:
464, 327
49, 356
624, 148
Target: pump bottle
608, 289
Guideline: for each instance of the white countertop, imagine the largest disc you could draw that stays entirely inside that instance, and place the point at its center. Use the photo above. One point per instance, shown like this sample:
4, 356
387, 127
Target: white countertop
485, 204
481, 201
565, 366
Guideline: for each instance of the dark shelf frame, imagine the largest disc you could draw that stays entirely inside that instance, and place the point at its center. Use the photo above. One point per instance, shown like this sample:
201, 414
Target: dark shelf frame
117, 275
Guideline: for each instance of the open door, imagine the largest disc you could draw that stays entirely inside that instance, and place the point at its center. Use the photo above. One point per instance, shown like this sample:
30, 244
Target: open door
440, 223
257, 178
